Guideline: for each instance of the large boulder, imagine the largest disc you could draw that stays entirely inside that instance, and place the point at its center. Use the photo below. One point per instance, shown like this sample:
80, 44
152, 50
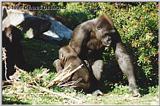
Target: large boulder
13, 17
45, 27
35, 26
57, 30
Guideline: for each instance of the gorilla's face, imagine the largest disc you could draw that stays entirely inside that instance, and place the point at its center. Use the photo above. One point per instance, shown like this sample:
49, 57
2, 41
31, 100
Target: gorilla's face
106, 40
104, 35
104, 29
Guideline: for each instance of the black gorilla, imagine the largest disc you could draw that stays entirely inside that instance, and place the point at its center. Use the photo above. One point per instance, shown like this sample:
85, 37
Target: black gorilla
89, 40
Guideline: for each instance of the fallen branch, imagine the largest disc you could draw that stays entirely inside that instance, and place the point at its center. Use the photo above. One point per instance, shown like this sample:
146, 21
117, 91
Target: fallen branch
64, 70
18, 69
70, 73
44, 73
4, 59
6, 83
45, 90
70, 83
33, 84
63, 75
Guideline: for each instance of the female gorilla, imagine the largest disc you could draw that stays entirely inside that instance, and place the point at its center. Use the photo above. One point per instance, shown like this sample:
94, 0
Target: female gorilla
89, 40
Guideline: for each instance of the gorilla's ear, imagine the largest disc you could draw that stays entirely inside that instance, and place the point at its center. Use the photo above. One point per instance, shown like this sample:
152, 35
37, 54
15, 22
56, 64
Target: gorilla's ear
4, 13
104, 21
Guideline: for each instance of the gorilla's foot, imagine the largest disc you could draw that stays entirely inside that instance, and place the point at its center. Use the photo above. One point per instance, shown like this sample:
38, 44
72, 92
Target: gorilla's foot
135, 93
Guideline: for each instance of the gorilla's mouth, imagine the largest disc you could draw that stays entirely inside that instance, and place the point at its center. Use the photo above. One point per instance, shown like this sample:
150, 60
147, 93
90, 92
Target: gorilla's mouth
107, 44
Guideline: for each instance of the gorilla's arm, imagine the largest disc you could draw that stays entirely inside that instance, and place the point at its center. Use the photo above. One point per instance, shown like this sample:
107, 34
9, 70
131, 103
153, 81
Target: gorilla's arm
126, 66
97, 69
57, 64
80, 35
125, 62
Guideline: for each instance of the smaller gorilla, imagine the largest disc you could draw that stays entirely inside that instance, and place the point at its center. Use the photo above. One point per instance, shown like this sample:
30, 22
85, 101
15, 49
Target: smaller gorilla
68, 56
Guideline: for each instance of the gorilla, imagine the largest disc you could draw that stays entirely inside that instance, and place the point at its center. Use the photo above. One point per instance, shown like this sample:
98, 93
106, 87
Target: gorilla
91, 38
68, 56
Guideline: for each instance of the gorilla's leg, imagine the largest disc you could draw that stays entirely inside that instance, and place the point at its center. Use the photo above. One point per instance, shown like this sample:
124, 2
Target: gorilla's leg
97, 68
126, 66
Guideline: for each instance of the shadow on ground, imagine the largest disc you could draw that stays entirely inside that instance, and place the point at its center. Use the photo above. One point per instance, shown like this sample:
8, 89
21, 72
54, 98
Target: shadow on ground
39, 53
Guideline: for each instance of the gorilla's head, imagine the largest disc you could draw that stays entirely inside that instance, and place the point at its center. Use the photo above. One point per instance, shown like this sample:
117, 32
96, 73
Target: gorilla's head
104, 29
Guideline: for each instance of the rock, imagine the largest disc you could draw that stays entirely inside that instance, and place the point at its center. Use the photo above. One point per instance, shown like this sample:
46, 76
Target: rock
57, 29
35, 26
13, 17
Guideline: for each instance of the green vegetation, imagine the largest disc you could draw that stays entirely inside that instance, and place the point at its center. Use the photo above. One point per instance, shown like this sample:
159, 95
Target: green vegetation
137, 25
29, 88
136, 22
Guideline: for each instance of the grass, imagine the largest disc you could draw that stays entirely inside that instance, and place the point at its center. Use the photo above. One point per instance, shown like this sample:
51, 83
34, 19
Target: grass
39, 53
28, 89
